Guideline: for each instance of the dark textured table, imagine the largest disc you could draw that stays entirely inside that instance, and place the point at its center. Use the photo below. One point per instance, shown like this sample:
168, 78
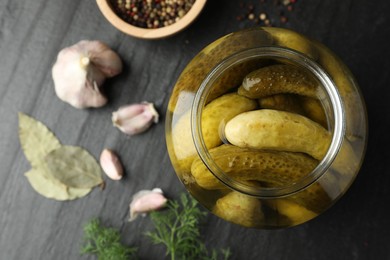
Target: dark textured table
32, 33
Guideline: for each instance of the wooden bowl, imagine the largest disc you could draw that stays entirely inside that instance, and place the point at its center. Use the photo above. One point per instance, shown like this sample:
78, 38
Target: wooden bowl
145, 33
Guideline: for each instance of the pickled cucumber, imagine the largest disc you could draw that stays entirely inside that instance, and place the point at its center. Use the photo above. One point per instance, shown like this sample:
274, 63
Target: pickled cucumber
245, 164
314, 197
272, 168
292, 40
240, 209
278, 130
295, 212
283, 102
309, 107
214, 114
278, 79
346, 85
314, 110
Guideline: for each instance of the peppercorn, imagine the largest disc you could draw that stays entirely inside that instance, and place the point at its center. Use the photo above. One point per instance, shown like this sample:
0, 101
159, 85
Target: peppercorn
279, 9
151, 13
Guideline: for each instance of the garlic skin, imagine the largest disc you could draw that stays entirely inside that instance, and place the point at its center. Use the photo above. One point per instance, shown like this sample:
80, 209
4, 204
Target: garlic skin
81, 69
146, 201
135, 118
111, 164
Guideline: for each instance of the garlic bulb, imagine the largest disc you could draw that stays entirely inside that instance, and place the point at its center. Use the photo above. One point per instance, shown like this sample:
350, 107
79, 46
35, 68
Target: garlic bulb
135, 118
81, 69
145, 201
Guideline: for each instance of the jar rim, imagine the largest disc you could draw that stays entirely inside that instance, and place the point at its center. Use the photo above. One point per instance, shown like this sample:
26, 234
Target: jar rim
276, 53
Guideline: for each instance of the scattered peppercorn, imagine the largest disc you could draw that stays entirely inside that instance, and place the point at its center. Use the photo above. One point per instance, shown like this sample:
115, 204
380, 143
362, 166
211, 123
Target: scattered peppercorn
283, 19
266, 13
151, 13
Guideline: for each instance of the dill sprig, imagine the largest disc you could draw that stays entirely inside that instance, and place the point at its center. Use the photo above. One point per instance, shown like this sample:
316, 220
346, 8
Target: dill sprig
105, 243
177, 228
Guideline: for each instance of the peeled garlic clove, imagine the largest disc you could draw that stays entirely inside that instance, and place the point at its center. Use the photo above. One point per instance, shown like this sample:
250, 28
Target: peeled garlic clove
111, 164
81, 69
146, 201
136, 118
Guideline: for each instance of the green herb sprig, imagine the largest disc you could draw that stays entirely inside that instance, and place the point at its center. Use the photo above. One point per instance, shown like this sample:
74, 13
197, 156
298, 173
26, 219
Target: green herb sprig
105, 243
177, 228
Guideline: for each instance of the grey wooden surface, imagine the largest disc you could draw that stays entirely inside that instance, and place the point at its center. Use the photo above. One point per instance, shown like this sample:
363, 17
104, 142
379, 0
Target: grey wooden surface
32, 33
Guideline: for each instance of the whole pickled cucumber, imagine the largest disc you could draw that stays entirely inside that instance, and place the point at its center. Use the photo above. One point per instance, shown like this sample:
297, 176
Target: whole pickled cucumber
217, 112
274, 169
278, 130
277, 79
244, 164
240, 209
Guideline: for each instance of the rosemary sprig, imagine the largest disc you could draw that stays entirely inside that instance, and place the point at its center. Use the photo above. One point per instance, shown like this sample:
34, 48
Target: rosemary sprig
105, 243
177, 229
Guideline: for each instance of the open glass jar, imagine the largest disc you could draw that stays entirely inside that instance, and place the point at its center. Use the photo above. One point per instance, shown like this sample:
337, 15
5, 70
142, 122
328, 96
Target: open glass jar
266, 128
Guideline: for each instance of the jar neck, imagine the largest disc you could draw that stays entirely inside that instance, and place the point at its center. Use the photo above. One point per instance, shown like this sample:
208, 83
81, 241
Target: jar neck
337, 124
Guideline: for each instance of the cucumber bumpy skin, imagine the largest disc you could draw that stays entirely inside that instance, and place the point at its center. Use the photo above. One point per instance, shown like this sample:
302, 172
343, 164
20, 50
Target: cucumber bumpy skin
245, 164
272, 168
278, 79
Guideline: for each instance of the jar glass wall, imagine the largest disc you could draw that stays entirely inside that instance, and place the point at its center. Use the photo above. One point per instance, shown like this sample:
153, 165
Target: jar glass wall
266, 128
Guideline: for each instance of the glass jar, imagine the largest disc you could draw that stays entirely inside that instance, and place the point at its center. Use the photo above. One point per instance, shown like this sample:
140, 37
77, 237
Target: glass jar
266, 128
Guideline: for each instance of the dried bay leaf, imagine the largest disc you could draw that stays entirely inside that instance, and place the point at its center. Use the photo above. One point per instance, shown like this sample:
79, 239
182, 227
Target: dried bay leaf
36, 139
38, 142
51, 188
74, 167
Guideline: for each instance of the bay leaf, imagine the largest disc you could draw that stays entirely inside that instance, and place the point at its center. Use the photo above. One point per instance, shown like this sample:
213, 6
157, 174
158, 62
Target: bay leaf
76, 193
53, 189
36, 139
74, 167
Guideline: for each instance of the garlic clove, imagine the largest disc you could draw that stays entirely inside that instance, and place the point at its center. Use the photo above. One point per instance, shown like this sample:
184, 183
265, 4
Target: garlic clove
81, 69
146, 201
111, 164
135, 118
